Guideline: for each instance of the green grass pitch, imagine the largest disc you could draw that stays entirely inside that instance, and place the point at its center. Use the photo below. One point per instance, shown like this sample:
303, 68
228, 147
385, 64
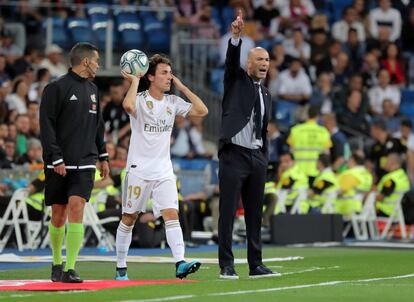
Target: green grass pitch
325, 274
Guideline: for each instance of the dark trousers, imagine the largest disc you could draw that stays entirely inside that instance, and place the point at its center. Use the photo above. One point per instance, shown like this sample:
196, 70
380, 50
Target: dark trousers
242, 173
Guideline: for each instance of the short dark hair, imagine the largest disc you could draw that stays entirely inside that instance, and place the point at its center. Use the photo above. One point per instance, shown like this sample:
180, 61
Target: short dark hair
41, 72
16, 84
314, 110
290, 154
379, 124
155, 60
407, 123
358, 158
325, 159
80, 51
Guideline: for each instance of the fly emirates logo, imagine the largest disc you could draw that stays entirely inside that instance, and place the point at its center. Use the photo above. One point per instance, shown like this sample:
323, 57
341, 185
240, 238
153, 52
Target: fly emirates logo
160, 126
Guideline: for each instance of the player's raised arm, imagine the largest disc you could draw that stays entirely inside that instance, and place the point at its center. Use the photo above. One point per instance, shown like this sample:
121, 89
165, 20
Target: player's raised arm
129, 103
199, 108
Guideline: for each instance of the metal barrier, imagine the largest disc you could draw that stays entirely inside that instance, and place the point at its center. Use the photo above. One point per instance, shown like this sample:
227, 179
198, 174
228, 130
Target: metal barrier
193, 60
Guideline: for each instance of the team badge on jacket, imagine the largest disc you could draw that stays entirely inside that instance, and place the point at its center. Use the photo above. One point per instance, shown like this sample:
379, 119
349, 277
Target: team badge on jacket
150, 105
93, 98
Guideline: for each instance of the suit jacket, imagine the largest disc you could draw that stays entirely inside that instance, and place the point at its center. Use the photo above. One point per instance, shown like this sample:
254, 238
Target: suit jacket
239, 98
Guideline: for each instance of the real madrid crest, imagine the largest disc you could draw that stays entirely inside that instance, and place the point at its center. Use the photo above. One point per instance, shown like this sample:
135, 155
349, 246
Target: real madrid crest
169, 111
150, 105
93, 98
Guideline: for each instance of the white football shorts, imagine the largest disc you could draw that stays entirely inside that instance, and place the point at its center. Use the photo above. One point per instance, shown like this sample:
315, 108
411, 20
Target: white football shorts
136, 192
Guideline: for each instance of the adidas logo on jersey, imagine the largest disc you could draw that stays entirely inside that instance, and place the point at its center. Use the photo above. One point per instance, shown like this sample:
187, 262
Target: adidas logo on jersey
73, 98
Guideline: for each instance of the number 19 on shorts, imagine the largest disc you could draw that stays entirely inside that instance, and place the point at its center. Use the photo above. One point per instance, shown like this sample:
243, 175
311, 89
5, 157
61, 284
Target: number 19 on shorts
134, 192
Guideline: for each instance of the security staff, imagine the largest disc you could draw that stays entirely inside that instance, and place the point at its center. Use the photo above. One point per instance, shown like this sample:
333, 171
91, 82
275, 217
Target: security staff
72, 136
291, 178
307, 141
354, 183
36, 198
323, 184
391, 185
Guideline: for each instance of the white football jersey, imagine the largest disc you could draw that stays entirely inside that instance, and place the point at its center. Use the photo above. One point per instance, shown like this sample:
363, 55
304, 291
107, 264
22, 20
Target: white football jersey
149, 147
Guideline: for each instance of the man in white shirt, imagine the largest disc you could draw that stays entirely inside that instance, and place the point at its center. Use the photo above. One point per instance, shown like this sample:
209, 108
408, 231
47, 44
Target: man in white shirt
341, 28
385, 16
53, 61
294, 83
297, 47
383, 91
149, 168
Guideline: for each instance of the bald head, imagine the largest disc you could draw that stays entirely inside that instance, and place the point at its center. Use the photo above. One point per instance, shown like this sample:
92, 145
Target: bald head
258, 63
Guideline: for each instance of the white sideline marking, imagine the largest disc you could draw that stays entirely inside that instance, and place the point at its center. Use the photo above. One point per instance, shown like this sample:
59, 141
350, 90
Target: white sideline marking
163, 299
312, 269
329, 283
274, 289
136, 259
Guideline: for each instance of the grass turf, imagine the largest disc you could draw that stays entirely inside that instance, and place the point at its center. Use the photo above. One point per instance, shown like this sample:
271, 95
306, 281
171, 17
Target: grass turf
319, 266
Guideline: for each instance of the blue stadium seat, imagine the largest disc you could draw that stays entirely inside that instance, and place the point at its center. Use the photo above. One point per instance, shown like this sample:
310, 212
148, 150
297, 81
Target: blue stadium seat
99, 16
190, 164
214, 165
407, 109
98, 12
407, 96
157, 35
131, 35
227, 15
285, 112
216, 16
125, 14
99, 32
192, 181
60, 35
79, 30
216, 80
129, 27
337, 8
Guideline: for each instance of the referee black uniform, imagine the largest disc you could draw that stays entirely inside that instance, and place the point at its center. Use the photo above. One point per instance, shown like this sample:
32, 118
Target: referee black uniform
71, 132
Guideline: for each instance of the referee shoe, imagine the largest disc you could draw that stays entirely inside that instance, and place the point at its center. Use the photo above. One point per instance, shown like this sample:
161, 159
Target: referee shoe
56, 275
71, 276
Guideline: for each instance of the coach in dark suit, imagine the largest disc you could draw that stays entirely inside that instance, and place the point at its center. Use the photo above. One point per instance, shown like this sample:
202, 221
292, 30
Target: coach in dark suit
243, 152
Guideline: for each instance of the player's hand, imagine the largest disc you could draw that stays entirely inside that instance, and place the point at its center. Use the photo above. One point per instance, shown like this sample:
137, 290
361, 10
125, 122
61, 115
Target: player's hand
103, 167
130, 77
237, 25
177, 83
60, 169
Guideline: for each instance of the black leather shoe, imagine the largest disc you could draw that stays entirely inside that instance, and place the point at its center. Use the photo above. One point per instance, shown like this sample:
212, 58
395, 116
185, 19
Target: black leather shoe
56, 275
228, 272
262, 271
71, 276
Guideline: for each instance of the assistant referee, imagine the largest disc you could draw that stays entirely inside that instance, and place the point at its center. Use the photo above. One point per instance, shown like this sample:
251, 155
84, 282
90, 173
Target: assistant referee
72, 135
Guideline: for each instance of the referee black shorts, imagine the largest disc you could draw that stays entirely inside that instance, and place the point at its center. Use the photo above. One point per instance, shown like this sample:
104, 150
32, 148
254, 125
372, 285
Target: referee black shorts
58, 189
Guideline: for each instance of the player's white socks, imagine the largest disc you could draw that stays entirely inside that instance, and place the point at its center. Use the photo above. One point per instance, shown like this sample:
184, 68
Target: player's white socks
123, 241
175, 239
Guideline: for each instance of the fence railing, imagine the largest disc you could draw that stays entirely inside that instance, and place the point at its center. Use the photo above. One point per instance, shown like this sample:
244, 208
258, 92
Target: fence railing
194, 57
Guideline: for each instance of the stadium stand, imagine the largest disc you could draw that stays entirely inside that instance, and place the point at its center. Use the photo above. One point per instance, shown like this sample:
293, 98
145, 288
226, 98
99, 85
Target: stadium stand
154, 28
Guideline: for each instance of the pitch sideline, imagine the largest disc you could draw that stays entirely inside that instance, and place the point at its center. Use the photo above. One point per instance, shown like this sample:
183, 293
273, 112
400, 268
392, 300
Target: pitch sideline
274, 289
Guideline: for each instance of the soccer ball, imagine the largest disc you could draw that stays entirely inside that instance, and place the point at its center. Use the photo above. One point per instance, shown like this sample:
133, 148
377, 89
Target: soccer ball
134, 62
